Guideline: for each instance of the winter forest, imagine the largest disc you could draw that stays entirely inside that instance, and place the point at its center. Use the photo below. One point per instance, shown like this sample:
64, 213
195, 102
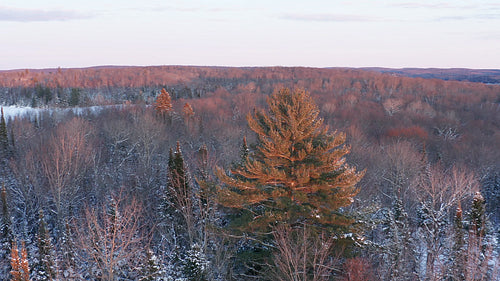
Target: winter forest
275, 173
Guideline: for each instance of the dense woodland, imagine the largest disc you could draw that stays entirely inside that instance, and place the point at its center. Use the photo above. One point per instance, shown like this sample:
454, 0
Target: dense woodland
186, 178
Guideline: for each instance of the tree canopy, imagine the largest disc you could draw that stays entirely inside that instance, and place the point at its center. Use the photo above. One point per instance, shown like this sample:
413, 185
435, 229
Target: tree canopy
297, 173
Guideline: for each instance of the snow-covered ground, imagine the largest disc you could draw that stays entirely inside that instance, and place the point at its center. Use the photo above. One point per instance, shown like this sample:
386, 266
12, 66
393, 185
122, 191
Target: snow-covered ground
11, 112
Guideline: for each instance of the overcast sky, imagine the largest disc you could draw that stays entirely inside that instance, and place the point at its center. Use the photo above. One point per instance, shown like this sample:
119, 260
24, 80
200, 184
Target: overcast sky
318, 33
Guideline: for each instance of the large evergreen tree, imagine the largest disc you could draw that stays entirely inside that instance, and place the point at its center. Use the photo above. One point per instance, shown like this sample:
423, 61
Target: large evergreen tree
298, 172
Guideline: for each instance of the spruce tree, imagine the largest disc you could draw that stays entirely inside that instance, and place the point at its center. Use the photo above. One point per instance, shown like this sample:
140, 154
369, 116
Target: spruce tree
399, 247
298, 173
45, 268
180, 194
151, 269
477, 216
6, 225
4, 139
458, 255
178, 177
67, 247
7, 237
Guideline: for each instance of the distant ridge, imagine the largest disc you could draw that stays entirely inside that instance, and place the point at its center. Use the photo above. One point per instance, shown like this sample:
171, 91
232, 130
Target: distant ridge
487, 76
136, 76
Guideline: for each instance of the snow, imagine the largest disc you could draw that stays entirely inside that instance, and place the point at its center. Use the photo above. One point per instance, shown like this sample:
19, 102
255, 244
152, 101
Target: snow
11, 112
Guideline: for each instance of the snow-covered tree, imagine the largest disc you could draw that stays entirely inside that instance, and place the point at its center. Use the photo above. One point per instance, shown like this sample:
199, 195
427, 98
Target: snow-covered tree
45, 266
151, 268
6, 235
110, 237
439, 191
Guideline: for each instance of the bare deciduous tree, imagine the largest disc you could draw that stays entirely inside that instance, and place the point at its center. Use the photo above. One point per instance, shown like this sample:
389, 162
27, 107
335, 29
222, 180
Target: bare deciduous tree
438, 192
111, 236
301, 255
64, 158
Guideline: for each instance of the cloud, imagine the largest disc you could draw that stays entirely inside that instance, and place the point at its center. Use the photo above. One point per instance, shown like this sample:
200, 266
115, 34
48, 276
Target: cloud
33, 15
416, 5
329, 17
163, 8
470, 17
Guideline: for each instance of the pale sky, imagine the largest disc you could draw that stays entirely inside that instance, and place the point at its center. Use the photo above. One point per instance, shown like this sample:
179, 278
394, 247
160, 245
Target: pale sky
316, 33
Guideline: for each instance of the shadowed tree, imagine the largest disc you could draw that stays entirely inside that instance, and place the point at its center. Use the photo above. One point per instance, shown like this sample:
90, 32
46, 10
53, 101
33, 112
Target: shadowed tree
45, 267
4, 140
6, 235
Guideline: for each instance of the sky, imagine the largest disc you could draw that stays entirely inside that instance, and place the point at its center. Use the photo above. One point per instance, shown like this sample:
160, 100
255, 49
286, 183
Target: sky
312, 33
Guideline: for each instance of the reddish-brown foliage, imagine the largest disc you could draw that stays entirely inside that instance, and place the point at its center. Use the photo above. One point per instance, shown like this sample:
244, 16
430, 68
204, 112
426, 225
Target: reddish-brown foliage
163, 103
408, 132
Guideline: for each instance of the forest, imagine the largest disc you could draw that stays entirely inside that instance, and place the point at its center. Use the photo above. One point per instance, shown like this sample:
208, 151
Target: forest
257, 173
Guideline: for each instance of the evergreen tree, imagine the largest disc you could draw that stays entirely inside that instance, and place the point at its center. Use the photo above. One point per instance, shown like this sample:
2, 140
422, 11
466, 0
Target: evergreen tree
19, 263
244, 153
74, 98
479, 243
7, 237
44, 268
196, 265
457, 256
4, 139
178, 176
163, 104
477, 216
399, 248
298, 173
188, 111
151, 269
68, 262
179, 195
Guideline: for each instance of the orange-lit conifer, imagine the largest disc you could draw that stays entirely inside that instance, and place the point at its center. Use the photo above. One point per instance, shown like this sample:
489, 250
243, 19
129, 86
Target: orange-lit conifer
298, 173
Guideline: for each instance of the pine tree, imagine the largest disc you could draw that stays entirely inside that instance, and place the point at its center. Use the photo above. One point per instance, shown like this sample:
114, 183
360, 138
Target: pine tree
457, 257
68, 262
163, 103
244, 153
399, 248
477, 216
207, 186
196, 265
151, 269
178, 177
188, 110
4, 139
45, 268
179, 191
298, 174
479, 242
6, 235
